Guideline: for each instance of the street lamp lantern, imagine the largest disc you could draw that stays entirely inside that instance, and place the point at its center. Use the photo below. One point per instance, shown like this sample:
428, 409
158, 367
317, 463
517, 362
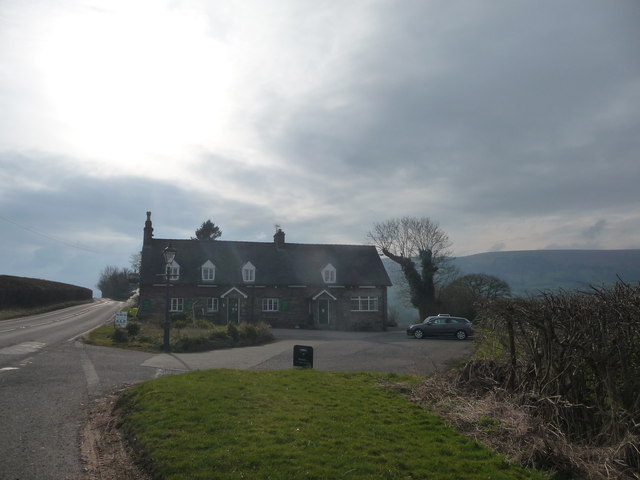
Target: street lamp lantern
169, 254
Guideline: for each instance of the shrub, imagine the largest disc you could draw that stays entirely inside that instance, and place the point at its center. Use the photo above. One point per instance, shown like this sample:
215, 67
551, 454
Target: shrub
249, 331
202, 323
133, 328
179, 324
572, 358
120, 335
191, 344
218, 335
22, 292
232, 331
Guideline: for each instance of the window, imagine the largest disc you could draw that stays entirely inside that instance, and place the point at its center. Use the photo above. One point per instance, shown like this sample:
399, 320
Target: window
208, 271
270, 305
177, 305
248, 272
364, 304
174, 271
208, 274
329, 274
212, 304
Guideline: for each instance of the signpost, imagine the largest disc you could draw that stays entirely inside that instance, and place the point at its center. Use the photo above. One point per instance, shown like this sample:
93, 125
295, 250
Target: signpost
302, 356
121, 320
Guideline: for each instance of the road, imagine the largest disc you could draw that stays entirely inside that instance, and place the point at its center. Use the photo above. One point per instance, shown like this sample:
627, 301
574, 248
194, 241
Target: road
48, 377
45, 384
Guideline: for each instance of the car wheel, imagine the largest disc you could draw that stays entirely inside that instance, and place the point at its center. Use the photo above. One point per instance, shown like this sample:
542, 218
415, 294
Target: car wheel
461, 334
418, 333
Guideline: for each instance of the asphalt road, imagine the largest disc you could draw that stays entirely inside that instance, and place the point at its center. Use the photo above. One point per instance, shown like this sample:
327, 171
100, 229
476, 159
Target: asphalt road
48, 377
45, 384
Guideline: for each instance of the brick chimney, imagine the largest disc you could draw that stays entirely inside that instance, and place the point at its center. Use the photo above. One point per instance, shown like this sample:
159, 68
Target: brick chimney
148, 231
278, 239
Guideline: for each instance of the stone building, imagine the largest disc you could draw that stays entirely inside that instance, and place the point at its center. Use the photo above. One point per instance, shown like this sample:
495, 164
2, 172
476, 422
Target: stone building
286, 285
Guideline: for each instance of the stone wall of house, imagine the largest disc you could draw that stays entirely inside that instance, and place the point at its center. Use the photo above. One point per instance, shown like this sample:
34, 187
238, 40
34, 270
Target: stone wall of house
296, 307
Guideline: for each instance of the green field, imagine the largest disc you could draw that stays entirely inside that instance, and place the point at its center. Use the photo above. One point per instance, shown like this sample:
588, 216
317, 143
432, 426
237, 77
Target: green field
297, 424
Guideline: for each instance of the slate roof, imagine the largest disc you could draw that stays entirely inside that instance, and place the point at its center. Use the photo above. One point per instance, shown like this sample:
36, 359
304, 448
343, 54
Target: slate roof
294, 264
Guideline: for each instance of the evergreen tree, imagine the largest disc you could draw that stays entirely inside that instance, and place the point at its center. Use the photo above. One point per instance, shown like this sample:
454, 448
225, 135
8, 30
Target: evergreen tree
207, 231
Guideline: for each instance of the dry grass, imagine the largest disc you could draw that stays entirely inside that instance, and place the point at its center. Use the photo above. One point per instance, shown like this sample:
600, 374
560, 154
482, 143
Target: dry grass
501, 422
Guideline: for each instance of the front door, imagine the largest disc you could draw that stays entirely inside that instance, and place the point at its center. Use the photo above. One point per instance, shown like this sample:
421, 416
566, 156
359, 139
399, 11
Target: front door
232, 310
323, 312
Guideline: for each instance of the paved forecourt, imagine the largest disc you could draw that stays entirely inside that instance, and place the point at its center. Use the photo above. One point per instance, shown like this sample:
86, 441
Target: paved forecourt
386, 352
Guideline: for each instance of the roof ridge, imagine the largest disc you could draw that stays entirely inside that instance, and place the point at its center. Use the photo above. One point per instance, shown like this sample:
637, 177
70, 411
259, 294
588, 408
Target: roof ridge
263, 243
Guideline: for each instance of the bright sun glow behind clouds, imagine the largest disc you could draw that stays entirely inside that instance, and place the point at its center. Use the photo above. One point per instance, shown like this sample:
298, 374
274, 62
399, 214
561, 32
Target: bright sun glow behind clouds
135, 83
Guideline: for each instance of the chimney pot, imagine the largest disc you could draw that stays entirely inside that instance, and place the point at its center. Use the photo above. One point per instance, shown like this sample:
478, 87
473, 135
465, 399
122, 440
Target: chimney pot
278, 239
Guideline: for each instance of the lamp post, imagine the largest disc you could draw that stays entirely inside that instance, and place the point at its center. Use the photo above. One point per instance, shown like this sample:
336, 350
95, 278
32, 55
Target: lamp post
169, 254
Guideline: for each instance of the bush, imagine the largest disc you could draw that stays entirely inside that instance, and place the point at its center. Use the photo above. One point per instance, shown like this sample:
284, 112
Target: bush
22, 292
249, 331
120, 335
179, 324
191, 344
218, 335
133, 328
204, 324
232, 331
572, 358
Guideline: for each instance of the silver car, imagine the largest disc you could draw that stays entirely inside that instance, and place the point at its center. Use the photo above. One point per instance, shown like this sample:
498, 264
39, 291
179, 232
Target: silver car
442, 325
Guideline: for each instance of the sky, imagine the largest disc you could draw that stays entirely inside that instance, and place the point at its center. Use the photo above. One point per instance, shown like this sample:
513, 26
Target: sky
514, 124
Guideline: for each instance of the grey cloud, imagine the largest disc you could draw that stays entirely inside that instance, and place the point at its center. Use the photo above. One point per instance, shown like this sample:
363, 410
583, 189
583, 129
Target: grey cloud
496, 118
595, 230
468, 112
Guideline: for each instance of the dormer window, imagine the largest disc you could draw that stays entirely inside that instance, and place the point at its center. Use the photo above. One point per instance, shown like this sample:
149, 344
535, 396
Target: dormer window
329, 274
208, 271
174, 270
248, 272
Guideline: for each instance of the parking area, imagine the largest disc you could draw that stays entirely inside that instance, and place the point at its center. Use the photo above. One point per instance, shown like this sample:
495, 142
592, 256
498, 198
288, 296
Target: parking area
387, 352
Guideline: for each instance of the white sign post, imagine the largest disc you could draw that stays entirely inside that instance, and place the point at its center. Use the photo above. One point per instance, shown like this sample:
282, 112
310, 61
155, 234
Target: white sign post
121, 320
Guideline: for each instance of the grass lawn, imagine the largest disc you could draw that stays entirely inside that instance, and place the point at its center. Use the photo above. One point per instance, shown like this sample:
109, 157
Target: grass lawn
297, 424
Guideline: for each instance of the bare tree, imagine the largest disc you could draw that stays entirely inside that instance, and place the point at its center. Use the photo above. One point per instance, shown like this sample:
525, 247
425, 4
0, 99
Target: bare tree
114, 283
408, 238
135, 260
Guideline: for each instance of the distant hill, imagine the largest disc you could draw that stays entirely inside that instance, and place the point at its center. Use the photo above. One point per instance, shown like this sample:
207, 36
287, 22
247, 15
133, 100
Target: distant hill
529, 272
532, 271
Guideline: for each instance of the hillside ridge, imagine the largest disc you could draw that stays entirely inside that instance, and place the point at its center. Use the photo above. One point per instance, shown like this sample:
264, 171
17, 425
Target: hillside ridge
529, 272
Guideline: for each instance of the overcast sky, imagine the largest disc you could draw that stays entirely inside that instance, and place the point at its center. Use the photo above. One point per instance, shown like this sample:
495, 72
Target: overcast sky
514, 124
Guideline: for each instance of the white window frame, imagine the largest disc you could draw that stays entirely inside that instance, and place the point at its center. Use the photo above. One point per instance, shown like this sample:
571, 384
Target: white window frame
212, 304
248, 273
174, 271
208, 271
270, 305
177, 305
364, 303
329, 274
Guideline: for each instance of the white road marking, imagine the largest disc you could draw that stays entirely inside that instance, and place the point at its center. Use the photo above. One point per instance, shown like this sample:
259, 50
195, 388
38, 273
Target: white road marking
22, 348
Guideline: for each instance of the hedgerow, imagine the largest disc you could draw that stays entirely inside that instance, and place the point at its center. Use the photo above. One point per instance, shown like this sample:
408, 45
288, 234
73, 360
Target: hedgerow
571, 362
